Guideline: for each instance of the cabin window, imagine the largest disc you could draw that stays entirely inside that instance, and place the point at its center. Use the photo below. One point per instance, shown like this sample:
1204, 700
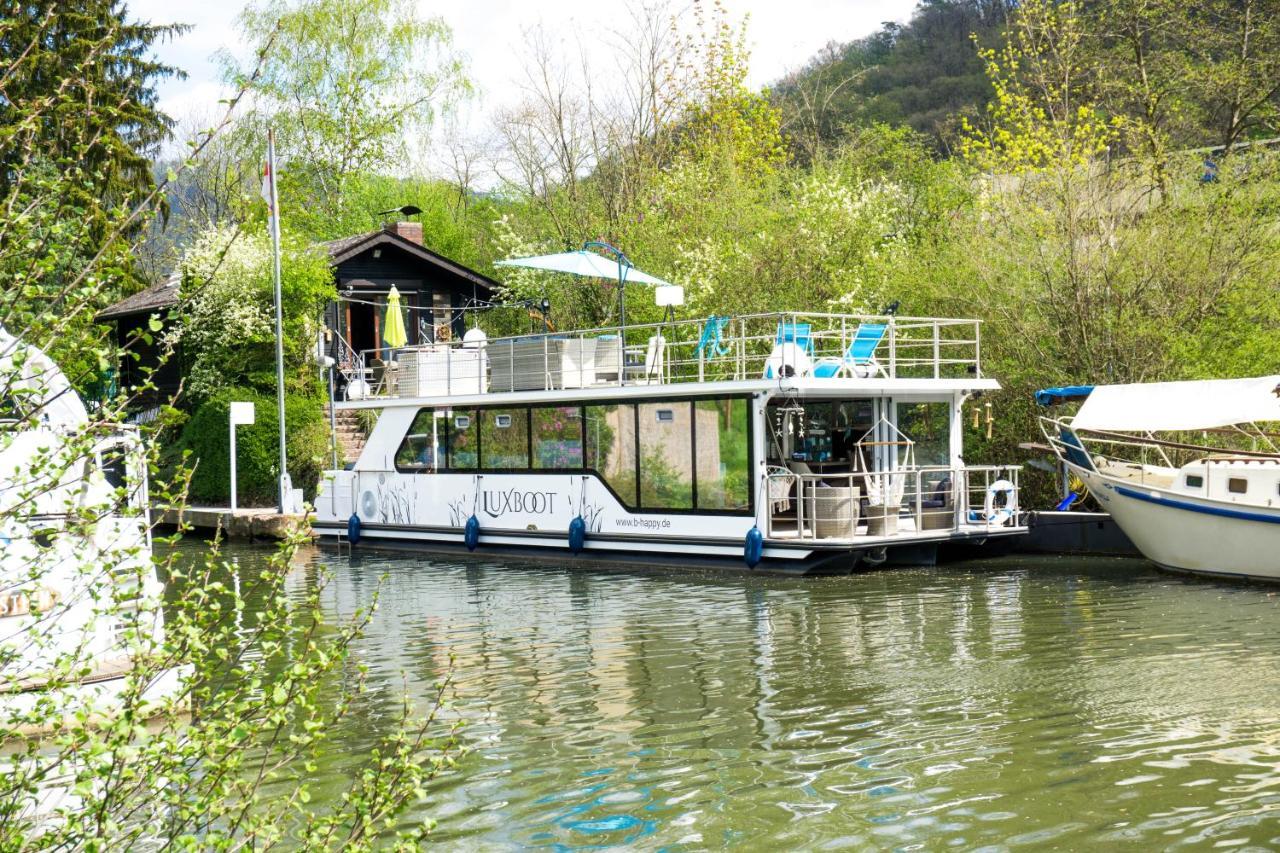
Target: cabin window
1194, 481
723, 448
504, 439
557, 438
611, 447
1237, 485
423, 446
463, 442
666, 456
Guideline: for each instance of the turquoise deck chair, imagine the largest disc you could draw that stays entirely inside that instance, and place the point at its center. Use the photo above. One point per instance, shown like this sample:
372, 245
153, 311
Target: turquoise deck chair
860, 358
800, 334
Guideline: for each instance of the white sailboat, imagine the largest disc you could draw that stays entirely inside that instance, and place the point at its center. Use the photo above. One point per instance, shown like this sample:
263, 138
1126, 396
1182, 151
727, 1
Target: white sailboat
78, 592
1188, 505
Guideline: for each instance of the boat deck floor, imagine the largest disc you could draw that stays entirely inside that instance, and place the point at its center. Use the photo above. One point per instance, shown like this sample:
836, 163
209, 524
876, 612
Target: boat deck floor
784, 530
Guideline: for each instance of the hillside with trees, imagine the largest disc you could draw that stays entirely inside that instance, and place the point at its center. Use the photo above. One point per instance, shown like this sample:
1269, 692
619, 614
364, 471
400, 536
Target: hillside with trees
1035, 165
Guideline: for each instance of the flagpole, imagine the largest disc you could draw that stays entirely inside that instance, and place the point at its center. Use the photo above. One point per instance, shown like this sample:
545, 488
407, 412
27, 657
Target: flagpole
285, 484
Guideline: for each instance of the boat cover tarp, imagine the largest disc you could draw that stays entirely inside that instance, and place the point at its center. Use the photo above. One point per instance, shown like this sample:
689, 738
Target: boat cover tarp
1172, 406
1049, 396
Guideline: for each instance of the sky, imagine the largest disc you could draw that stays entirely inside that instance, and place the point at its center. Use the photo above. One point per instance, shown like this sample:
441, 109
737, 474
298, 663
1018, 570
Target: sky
783, 34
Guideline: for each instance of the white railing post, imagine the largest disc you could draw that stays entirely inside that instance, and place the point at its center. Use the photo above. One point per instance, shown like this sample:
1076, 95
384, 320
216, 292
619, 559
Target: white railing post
893, 349
448, 370
977, 348
919, 504
937, 350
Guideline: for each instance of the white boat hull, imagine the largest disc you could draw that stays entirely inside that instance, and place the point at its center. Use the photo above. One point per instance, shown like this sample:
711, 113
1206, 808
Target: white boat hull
1188, 534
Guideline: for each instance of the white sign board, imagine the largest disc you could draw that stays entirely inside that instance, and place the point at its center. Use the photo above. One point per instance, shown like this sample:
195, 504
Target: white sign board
668, 295
241, 414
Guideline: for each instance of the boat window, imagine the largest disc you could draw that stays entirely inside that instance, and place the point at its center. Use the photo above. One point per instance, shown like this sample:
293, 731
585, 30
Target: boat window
504, 439
611, 447
424, 444
1194, 481
463, 441
723, 448
1237, 485
666, 456
557, 438
929, 426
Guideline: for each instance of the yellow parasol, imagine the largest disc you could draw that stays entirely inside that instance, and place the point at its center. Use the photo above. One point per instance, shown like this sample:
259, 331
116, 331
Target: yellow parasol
393, 334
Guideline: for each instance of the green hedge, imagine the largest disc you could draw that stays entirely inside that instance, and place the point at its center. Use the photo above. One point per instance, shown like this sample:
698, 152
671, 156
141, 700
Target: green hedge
257, 451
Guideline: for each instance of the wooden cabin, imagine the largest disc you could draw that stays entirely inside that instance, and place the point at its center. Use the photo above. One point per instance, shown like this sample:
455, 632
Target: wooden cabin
433, 288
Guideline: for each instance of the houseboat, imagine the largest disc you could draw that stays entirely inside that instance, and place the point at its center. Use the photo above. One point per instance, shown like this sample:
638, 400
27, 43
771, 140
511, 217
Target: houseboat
786, 442
1189, 470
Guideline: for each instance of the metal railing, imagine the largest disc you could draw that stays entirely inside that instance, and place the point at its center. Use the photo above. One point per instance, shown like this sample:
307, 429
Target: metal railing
909, 503
776, 345
350, 364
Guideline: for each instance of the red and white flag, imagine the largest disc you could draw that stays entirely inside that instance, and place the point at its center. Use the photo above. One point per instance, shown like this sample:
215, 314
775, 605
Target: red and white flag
269, 183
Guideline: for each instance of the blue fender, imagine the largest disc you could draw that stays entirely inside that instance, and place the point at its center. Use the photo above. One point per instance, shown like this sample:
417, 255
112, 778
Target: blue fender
471, 535
753, 550
577, 534
353, 529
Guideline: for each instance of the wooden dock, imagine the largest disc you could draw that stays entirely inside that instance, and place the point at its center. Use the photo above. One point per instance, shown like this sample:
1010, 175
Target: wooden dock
246, 523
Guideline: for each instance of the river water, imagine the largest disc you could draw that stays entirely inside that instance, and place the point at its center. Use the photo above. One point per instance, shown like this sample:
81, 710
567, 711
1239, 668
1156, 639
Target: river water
1012, 703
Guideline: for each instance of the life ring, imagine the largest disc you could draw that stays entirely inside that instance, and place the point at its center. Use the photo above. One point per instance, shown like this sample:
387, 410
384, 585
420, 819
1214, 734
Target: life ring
787, 360
994, 513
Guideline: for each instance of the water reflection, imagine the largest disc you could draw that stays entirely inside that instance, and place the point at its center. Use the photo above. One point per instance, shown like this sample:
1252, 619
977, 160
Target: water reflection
1013, 703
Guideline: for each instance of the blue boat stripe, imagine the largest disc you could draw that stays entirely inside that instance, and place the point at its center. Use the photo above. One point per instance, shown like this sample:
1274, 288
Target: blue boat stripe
1207, 510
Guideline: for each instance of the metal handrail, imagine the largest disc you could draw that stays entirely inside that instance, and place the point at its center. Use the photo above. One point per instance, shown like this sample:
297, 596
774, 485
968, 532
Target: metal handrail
965, 505
920, 347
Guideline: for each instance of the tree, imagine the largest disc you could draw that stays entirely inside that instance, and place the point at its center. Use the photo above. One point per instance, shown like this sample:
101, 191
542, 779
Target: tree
227, 329
359, 78
1045, 113
113, 85
78, 122
1234, 73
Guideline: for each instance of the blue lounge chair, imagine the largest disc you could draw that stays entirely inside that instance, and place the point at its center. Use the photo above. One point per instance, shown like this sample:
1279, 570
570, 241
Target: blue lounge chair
800, 334
860, 358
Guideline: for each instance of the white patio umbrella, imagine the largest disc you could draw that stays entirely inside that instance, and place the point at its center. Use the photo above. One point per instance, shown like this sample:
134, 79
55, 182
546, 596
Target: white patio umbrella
590, 265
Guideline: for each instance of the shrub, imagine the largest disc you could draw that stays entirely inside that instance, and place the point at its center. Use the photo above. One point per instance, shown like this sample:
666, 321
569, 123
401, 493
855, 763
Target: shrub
257, 454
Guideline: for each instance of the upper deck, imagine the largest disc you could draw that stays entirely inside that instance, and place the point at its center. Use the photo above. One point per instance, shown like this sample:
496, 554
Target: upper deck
806, 346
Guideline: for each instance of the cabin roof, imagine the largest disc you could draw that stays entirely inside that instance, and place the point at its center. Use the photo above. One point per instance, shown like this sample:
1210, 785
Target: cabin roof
164, 293
344, 249
157, 296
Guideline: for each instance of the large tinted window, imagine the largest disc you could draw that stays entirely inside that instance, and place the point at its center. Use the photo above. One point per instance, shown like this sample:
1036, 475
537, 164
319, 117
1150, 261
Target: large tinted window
723, 453
424, 444
557, 437
504, 438
666, 455
611, 447
464, 440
